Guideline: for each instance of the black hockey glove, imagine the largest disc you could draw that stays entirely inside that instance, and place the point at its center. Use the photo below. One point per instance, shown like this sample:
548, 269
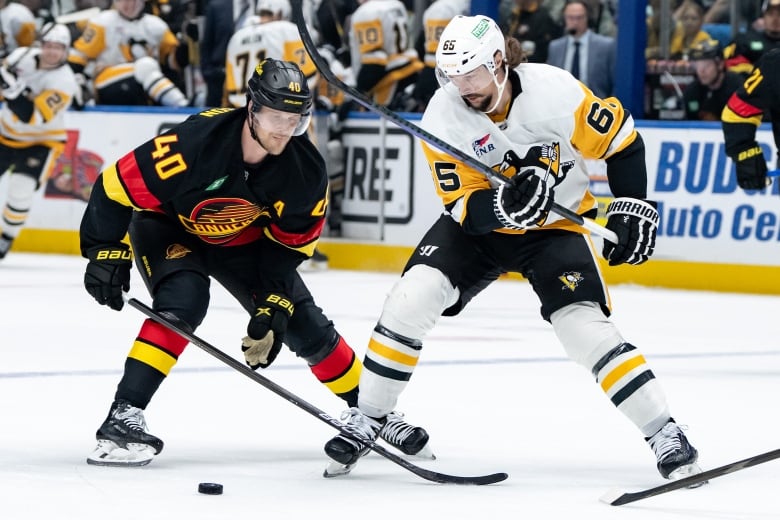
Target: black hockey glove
266, 330
108, 274
751, 168
635, 222
524, 201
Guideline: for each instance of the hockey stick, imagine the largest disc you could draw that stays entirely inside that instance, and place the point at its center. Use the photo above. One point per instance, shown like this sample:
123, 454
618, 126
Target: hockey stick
411, 128
433, 476
616, 498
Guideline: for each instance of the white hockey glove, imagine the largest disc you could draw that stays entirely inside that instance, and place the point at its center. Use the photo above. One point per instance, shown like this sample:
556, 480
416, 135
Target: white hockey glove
524, 201
635, 222
10, 86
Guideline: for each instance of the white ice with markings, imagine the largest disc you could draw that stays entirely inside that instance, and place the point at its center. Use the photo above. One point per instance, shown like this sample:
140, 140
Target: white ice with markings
493, 389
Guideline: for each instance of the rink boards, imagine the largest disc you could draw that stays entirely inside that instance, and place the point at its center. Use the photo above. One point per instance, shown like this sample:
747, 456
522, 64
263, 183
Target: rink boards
712, 235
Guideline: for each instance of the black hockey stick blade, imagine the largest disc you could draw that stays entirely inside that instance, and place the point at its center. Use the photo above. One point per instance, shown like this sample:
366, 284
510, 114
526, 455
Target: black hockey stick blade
432, 476
616, 498
411, 128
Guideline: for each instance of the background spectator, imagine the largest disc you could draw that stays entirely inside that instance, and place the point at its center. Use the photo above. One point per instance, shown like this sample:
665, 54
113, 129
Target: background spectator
531, 23
705, 97
590, 57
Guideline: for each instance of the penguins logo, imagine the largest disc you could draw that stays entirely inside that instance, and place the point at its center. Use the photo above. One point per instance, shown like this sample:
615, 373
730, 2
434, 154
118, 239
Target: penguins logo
546, 157
220, 220
571, 280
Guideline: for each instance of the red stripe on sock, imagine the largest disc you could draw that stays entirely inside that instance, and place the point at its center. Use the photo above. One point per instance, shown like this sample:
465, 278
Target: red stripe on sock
337, 362
161, 336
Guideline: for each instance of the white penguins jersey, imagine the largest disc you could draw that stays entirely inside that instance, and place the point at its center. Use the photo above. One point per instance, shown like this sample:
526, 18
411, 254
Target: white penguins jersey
553, 124
52, 92
379, 36
435, 19
254, 43
110, 39
17, 28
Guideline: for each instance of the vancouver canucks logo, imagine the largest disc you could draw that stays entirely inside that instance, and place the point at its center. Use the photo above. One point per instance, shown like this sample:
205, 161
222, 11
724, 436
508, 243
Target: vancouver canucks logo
220, 220
482, 145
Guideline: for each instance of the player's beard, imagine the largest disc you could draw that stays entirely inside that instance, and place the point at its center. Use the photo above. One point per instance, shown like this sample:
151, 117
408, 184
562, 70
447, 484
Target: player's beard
482, 103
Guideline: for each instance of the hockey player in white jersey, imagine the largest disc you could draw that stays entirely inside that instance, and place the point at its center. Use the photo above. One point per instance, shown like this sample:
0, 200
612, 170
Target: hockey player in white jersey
122, 48
37, 88
534, 124
384, 62
17, 27
270, 34
435, 19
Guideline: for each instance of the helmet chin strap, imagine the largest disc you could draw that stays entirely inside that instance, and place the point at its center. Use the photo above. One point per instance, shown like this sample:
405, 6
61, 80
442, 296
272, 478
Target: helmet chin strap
252, 132
500, 90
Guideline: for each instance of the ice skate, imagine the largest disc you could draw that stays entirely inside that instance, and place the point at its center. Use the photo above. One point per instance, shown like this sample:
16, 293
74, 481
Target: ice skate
410, 440
123, 439
344, 451
676, 457
5, 244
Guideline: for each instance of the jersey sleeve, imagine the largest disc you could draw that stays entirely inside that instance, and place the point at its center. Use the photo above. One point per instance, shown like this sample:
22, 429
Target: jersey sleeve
744, 110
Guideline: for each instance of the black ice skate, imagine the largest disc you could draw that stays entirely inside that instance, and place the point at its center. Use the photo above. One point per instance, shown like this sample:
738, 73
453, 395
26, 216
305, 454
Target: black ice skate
411, 440
345, 451
676, 457
123, 439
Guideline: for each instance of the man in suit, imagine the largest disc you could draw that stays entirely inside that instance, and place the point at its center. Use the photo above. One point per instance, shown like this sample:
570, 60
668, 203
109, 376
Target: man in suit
589, 56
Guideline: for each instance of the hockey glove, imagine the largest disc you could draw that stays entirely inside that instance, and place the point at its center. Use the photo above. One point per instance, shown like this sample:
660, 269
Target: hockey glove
10, 86
266, 330
751, 168
108, 274
635, 222
524, 201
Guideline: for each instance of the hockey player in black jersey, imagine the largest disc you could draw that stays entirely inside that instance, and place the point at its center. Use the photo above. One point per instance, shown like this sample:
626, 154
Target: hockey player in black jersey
534, 124
742, 115
237, 195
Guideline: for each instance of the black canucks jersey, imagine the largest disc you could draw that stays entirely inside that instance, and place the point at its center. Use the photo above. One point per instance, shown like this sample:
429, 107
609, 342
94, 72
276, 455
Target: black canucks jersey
195, 174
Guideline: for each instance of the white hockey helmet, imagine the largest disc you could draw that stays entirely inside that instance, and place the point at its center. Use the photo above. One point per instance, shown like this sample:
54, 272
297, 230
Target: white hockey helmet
466, 43
279, 8
56, 33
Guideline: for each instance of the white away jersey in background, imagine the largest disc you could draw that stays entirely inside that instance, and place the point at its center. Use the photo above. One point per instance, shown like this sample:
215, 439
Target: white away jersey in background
52, 93
254, 43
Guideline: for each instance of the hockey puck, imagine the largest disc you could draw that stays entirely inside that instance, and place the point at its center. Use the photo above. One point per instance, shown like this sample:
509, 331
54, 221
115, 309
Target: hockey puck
210, 488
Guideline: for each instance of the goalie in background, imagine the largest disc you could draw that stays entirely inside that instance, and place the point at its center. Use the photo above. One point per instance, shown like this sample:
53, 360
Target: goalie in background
37, 88
235, 195
534, 124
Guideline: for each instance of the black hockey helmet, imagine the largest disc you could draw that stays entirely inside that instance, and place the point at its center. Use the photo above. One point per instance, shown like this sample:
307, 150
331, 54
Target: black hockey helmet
279, 85
706, 50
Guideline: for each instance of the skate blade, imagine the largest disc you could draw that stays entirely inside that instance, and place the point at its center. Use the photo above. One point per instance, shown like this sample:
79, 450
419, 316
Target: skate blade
337, 469
109, 453
426, 453
687, 471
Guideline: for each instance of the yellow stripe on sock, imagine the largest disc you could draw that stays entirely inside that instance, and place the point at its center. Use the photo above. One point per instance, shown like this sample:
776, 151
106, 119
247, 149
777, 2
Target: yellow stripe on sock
348, 381
621, 370
152, 356
391, 354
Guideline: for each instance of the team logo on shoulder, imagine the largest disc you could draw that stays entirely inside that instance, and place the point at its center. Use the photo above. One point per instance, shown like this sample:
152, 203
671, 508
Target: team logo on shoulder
481, 146
571, 280
175, 251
